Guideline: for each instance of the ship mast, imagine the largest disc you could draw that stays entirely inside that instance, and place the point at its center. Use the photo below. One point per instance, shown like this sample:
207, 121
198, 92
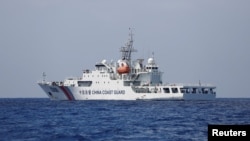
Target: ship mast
44, 77
128, 48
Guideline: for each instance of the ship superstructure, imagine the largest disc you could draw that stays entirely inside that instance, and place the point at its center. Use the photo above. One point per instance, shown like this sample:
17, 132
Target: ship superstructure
125, 79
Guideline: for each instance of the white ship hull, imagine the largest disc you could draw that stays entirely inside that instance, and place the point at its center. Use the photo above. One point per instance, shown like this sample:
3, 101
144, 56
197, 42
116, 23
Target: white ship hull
77, 93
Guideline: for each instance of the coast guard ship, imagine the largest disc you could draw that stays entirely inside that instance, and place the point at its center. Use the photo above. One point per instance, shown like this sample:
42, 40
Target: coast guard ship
125, 79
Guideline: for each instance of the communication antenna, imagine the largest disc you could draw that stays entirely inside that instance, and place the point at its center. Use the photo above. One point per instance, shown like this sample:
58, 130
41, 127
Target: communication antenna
153, 55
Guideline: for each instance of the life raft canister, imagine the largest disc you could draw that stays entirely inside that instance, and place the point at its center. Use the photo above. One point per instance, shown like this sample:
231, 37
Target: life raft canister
123, 67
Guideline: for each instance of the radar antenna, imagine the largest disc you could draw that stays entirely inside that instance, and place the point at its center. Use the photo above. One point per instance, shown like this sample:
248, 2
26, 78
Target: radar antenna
128, 48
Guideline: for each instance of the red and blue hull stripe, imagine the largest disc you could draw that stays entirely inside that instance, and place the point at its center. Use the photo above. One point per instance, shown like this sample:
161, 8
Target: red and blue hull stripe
67, 92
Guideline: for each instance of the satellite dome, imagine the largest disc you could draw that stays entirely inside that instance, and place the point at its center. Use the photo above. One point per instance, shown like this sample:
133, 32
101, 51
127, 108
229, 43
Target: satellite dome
104, 61
151, 61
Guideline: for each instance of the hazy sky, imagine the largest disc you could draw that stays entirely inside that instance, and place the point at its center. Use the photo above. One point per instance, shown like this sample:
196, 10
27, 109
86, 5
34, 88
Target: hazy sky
192, 40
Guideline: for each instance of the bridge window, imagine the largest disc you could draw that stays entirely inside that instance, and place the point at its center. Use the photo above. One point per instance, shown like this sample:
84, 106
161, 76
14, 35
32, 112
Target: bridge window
204, 91
174, 90
183, 90
194, 90
166, 90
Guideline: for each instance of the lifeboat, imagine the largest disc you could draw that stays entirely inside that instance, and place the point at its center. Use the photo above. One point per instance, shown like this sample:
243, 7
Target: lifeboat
123, 68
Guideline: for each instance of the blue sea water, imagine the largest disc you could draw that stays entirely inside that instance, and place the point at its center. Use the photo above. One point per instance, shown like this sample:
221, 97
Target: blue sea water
46, 120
